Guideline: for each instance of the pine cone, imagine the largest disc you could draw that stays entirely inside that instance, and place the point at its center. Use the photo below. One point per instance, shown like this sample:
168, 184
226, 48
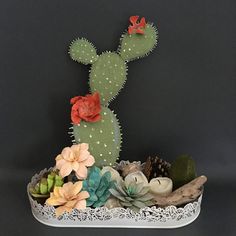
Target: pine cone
156, 167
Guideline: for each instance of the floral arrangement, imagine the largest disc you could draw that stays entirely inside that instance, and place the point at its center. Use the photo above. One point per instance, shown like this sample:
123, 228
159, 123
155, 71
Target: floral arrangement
76, 183
87, 174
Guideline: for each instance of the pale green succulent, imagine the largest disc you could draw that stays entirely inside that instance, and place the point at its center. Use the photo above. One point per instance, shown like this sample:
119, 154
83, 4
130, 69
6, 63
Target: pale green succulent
46, 185
132, 195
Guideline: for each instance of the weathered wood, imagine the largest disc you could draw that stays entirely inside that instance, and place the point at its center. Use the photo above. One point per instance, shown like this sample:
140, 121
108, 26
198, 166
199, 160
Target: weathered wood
184, 194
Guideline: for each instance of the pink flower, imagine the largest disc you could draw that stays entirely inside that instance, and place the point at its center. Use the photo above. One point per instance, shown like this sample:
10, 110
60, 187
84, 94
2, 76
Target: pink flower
75, 158
67, 197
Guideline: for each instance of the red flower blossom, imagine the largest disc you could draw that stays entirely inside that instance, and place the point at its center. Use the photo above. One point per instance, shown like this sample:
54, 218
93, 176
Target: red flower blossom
86, 108
136, 27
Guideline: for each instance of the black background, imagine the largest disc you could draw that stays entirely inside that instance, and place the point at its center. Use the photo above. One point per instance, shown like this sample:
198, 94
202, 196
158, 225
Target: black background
179, 99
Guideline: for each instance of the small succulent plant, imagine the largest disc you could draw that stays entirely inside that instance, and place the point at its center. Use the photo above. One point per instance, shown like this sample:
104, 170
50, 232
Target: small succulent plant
98, 186
46, 185
68, 197
132, 195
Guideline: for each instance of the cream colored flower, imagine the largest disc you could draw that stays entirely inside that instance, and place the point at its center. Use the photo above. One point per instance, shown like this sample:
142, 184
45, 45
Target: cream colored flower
75, 158
67, 197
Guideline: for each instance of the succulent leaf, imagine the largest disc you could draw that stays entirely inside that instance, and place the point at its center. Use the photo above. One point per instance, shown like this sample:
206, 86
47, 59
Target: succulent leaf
98, 186
46, 185
117, 195
138, 204
43, 186
132, 195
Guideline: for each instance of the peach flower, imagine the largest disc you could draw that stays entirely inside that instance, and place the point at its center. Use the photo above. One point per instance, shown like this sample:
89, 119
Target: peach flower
75, 158
67, 197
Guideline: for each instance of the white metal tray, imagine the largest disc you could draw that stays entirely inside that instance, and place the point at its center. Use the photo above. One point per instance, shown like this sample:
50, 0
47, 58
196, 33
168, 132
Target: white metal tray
149, 217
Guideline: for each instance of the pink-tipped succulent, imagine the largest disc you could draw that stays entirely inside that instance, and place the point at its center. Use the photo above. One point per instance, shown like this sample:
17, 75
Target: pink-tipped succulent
75, 158
68, 197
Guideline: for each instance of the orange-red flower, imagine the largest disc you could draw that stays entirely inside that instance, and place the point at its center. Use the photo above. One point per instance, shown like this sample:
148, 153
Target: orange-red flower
136, 27
86, 108
67, 197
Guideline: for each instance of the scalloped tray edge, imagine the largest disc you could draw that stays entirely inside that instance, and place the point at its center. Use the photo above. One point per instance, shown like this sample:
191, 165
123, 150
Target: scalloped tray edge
149, 217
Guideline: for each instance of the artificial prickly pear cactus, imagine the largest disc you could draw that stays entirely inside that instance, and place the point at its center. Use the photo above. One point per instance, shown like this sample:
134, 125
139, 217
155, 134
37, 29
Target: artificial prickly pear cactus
107, 77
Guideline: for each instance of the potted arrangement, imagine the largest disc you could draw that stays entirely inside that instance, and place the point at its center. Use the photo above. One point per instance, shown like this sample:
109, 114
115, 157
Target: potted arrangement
89, 186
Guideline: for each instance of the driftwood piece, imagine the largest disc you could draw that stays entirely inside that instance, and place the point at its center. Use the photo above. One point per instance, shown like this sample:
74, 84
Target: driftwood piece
184, 194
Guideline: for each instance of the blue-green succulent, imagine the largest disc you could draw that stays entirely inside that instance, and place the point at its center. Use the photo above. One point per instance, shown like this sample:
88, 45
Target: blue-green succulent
98, 186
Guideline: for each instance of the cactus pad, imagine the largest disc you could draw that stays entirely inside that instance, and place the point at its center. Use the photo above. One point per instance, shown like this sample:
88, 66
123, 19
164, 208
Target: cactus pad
83, 51
103, 137
107, 76
134, 46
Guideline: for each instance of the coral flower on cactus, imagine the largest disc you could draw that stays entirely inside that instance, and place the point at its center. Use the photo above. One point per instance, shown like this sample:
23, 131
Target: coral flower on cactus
136, 27
86, 108
75, 158
67, 197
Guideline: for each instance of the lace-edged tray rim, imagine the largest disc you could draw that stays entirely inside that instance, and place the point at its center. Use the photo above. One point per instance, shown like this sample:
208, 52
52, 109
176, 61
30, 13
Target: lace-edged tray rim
151, 217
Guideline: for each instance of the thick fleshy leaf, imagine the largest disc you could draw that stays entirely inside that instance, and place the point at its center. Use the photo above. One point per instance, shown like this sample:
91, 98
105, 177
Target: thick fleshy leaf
65, 169
102, 189
126, 204
60, 162
56, 192
82, 172
105, 196
76, 188
104, 184
85, 185
149, 203
146, 197
134, 208
99, 204
75, 165
55, 201
89, 161
144, 191
83, 195
94, 177
70, 204
120, 188
66, 190
138, 204
43, 186
129, 199
50, 184
116, 194
68, 154
80, 204
80, 151
60, 210
36, 195
89, 203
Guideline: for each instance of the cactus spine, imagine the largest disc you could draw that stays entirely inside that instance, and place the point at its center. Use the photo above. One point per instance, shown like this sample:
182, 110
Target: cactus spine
107, 77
